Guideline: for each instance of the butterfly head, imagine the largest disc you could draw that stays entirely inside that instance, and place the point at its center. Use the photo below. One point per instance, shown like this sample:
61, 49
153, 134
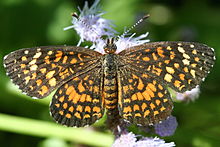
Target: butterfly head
110, 46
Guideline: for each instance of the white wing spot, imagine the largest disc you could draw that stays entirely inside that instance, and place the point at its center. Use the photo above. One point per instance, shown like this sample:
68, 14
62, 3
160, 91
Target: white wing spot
26, 52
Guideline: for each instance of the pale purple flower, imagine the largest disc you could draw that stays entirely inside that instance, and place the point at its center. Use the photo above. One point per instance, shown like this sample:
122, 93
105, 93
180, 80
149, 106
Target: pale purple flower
187, 96
166, 127
90, 25
130, 140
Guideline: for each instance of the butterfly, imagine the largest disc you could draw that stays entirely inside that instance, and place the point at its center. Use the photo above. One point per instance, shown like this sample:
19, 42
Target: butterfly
133, 82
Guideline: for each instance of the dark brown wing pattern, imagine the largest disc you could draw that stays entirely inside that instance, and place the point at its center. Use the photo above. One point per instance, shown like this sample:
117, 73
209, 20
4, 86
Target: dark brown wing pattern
38, 71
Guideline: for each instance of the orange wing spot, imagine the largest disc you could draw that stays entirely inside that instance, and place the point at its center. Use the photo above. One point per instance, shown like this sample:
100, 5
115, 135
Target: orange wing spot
71, 53
139, 96
146, 95
57, 105
127, 109
22, 65
170, 70
95, 101
160, 94
131, 87
143, 106
125, 89
146, 58
39, 82
185, 69
81, 88
146, 113
91, 82
196, 59
134, 76
172, 56
181, 87
110, 107
66, 86
79, 108
99, 115
83, 98
61, 112
65, 105
88, 98
43, 70
182, 76
52, 82
80, 58
69, 90
140, 84
88, 109
167, 61
145, 76
24, 58
176, 65
86, 116
126, 115
96, 89
53, 65
68, 115
162, 108
60, 91
31, 87
136, 107
134, 97
34, 75
152, 106
73, 61
156, 112
189, 81
61, 99
96, 109
77, 115
44, 89
147, 50
177, 83
137, 115
50, 74
154, 56
157, 102
76, 97
71, 109
58, 56
168, 77
165, 100
152, 87
157, 71
194, 52
65, 59
160, 52
160, 87
127, 100
194, 65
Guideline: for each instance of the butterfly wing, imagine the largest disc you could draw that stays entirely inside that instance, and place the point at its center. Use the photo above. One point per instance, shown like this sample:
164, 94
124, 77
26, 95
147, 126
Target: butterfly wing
79, 101
180, 65
142, 99
38, 71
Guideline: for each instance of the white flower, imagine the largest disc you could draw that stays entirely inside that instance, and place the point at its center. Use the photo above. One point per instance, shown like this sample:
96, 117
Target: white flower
188, 95
90, 25
130, 140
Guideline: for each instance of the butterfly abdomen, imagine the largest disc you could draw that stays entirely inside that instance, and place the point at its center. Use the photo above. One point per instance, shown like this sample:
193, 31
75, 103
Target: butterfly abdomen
110, 82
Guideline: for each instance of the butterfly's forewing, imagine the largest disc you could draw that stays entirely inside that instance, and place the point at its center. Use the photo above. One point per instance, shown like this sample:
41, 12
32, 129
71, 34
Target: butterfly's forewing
38, 71
142, 99
180, 65
79, 101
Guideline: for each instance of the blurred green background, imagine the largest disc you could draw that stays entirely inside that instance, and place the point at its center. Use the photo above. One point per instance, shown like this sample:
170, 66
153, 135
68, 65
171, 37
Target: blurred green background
29, 23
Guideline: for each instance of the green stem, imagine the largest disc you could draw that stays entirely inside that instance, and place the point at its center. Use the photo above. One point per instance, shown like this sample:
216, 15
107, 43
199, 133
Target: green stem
46, 129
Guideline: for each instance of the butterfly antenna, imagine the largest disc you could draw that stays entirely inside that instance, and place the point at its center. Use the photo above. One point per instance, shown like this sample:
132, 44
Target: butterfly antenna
136, 24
